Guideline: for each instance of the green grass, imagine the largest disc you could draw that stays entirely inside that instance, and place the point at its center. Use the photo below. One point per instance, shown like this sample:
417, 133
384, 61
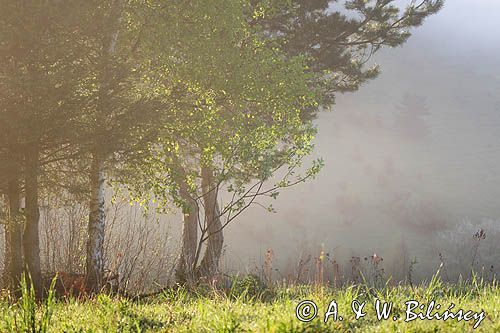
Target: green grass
250, 310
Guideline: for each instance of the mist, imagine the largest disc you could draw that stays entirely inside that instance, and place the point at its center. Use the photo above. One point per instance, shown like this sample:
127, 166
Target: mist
410, 159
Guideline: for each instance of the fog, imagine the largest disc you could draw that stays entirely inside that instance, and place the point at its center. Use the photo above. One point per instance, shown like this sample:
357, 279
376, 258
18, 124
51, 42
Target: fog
411, 159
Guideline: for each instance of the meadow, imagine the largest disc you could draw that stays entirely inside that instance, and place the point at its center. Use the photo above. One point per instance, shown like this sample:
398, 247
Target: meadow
248, 305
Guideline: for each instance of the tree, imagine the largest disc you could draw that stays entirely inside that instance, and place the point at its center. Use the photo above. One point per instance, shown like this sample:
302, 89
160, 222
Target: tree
337, 63
118, 111
41, 63
13, 223
340, 37
240, 117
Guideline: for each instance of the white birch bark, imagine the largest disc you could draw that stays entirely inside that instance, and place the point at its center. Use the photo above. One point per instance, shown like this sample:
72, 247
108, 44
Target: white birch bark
97, 217
96, 227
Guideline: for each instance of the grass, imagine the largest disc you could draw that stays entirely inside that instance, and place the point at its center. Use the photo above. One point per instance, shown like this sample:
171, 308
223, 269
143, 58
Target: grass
250, 310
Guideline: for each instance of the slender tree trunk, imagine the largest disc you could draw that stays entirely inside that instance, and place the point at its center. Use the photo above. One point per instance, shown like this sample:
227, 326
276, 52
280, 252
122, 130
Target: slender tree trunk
94, 274
186, 262
7, 283
97, 221
13, 235
31, 240
210, 262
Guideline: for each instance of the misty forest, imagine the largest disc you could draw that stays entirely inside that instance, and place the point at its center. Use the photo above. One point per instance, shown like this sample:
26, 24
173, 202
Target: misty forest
203, 166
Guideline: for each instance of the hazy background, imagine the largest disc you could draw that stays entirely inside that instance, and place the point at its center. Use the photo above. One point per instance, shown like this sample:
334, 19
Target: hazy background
420, 179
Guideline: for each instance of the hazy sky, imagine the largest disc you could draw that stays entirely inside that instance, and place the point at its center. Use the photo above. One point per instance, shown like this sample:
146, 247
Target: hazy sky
391, 174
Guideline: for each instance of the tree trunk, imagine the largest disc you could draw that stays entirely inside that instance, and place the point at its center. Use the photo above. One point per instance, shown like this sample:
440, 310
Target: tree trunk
210, 262
7, 283
31, 240
13, 235
94, 274
186, 262
97, 221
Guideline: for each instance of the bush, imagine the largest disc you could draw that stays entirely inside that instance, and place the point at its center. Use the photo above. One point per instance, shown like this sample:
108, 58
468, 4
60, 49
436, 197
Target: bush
249, 287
